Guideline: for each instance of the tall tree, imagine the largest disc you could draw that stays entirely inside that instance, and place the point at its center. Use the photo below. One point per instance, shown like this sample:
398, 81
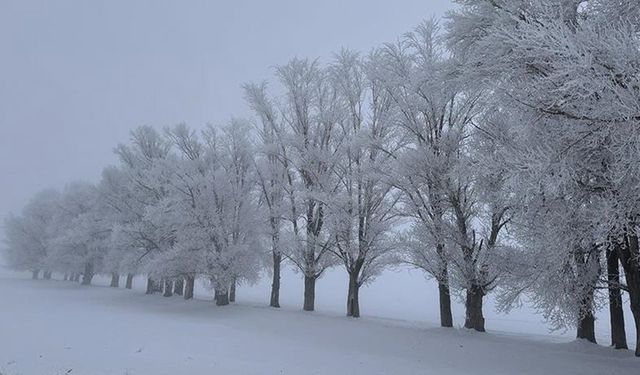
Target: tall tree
362, 212
309, 114
435, 113
274, 176
570, 66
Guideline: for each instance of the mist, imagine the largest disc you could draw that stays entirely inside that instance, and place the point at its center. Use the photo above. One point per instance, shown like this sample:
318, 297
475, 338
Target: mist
319, 187
78, 76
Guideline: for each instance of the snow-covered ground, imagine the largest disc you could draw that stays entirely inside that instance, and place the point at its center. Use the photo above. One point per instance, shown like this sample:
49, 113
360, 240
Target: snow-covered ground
55, 327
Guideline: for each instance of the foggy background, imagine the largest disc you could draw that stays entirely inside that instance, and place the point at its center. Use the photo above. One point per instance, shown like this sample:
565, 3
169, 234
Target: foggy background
77, 76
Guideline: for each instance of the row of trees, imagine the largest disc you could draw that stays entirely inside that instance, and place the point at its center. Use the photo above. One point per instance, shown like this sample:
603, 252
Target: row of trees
499, 154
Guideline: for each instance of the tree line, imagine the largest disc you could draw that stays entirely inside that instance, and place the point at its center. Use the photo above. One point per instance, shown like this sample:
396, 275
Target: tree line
497, 151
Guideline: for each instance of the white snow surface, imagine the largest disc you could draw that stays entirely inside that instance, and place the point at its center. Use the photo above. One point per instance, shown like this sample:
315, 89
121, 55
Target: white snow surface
56, 327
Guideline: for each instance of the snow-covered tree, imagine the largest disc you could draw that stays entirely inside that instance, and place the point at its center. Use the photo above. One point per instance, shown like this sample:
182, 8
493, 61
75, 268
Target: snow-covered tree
273, 175
116, 191
571, 66
361, 212
211, 208
309, 113
29, 236
435, 114
141, 162
82, 232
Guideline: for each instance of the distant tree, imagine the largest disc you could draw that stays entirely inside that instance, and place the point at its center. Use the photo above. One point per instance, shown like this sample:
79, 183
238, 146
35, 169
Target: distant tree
211, 208
82, 233
141, 163
29, 236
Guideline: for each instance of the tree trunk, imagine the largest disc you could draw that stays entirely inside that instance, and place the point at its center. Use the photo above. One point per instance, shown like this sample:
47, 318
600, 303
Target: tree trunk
275, 283
129, 283
587, 327
47, 275
446, 317
188, 287
221, 296
587, 322
635, 310
232, 291
87, 276
473, 306
168, 288
158, 286
616, 313
629, 257
34, 274
115, 280
353, 302
178, 287
309, 293
66, 277
150, 286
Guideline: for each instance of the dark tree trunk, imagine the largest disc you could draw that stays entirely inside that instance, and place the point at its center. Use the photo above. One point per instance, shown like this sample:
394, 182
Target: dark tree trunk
353, 302
587, 322
66, 277
87, 276
129, 283
635, 310
75, 277
275, 283
629, 257
309, 293
189, 282
35, 274
232, 291
47, 275
221, 297
446, 317
158, 286
178, 287
587, 327
168, 288
151, 288
473, 306
115, 280
616, 313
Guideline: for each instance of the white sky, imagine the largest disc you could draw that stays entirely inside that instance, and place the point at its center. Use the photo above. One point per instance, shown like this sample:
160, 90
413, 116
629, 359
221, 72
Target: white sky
77, 76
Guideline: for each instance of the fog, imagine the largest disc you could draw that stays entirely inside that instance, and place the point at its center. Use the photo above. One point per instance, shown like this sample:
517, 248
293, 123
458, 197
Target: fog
77, 76
446, 145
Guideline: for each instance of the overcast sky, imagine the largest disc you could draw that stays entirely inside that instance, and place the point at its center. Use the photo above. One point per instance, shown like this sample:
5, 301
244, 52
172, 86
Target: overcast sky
77, 76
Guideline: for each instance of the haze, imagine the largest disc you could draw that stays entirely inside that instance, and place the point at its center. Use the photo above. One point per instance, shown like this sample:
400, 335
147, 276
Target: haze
77, 76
